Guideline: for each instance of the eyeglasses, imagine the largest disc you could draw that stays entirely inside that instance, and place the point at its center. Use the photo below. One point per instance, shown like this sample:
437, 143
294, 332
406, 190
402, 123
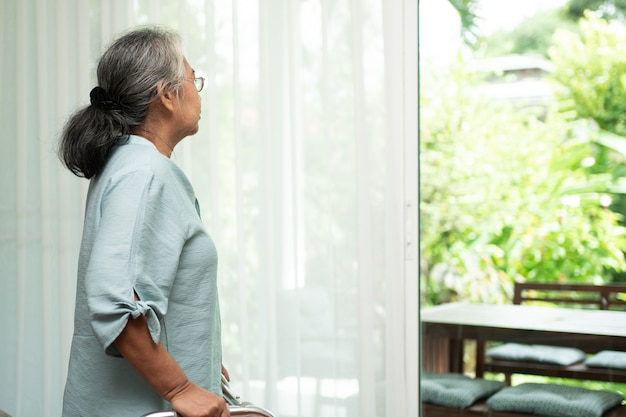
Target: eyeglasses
198, 82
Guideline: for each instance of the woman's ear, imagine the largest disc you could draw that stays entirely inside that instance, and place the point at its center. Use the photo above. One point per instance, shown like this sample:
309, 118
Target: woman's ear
166, 96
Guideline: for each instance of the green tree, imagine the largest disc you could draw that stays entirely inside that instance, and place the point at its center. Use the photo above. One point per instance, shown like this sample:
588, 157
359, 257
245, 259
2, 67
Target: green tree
468, 15
590, 71
608, 9
505, 196
534, 34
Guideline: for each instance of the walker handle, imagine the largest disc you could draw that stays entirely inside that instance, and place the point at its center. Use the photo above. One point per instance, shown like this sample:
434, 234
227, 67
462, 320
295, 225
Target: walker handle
235, 406
235, 410
248, 410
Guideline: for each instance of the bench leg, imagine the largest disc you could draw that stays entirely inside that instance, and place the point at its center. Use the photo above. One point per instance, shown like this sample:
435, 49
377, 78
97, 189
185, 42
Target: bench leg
507, 379
456, 356
480, 359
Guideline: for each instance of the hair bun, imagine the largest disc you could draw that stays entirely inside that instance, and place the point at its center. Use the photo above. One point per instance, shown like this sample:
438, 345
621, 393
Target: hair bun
102, 99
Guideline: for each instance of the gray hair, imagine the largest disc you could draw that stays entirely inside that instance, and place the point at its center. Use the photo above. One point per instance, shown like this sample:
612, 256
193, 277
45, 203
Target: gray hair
130, 73
135, 64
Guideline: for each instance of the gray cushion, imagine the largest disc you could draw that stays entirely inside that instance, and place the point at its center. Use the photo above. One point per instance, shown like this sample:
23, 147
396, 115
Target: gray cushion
554, 400
537, 353
455, 390
608, 359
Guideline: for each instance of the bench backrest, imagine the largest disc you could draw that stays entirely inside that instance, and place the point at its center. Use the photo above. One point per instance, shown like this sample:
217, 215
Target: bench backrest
604, 297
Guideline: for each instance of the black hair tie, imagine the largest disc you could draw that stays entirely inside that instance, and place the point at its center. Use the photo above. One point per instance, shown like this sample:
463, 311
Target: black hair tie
103, 100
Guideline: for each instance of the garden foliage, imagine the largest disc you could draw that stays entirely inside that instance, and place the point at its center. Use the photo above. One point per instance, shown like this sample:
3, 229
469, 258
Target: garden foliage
506, 196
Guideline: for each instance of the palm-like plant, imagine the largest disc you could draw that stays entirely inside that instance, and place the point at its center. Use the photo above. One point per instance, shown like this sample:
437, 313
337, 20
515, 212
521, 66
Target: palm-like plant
468, 15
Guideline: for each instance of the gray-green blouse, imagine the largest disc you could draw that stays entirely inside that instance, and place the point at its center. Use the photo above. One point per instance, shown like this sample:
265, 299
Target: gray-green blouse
142, 233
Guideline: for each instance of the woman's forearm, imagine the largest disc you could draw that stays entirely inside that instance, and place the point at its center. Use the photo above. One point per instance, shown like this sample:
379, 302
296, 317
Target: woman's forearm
152, 361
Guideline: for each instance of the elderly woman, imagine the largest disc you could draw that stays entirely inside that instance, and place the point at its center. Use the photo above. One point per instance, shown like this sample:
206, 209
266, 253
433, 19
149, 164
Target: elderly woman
147, 319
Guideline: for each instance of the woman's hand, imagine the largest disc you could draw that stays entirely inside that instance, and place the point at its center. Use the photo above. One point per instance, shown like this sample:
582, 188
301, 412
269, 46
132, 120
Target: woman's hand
193, 401
160, 370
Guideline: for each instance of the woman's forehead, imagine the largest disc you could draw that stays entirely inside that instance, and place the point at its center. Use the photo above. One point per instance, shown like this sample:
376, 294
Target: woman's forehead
188, 67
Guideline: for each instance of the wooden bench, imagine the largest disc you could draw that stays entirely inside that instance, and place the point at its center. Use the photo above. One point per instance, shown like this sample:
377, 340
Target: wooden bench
603, 297
432, 410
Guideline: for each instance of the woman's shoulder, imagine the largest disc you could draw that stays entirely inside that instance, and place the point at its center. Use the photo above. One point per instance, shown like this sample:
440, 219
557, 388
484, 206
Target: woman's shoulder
138, 158
138, 155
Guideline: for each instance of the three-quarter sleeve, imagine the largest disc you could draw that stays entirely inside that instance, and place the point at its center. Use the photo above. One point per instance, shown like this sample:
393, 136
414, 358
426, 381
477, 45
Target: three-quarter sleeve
135, 254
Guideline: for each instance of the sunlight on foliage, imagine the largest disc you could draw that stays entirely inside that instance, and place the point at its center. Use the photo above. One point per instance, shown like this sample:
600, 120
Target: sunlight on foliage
505, 197
590, 68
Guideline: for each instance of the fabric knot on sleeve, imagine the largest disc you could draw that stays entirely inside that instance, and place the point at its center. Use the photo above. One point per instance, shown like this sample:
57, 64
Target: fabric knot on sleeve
110, 319
142, 308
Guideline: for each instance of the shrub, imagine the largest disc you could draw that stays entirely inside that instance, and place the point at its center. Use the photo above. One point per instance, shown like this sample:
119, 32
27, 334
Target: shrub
505, 196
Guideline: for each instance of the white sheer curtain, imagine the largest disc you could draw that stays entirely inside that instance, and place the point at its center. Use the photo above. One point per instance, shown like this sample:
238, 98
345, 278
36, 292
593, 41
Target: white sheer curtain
306, 170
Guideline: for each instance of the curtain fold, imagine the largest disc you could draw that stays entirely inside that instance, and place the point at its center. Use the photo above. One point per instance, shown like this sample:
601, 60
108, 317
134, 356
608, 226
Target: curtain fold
305, 167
